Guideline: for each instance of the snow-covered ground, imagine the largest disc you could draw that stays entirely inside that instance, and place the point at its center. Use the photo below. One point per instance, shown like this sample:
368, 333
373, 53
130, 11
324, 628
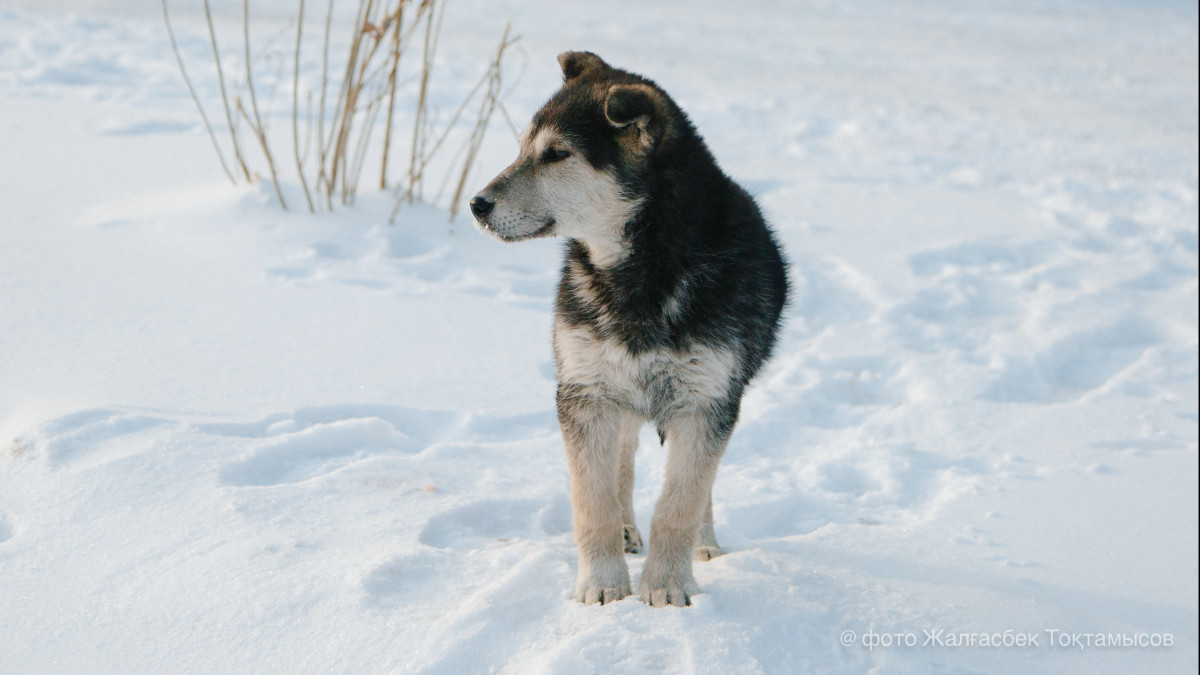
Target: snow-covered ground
242, 440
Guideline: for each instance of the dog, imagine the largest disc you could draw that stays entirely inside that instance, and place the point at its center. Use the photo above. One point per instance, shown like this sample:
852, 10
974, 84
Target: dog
669, 302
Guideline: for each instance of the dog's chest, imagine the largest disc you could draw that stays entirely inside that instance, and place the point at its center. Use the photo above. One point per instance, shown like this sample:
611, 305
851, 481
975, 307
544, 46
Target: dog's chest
654, 383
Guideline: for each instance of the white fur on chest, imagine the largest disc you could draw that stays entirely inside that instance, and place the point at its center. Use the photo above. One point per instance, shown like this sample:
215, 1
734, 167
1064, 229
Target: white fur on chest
655, 384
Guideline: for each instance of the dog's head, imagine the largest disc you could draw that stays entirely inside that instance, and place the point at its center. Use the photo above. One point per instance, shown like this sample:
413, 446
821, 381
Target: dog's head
584, 160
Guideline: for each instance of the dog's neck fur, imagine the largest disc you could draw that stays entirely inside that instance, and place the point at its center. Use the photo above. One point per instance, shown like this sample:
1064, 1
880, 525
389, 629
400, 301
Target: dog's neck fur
656, 218
610, 248
606, 253
640, 287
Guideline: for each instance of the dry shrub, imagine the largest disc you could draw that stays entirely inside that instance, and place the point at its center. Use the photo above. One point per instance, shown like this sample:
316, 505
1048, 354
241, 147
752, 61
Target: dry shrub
331, 145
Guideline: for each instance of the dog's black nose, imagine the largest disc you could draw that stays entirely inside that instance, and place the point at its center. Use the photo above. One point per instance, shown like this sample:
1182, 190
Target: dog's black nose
481, 206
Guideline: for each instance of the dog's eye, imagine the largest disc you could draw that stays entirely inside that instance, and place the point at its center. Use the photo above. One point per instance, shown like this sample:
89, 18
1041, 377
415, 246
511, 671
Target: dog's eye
552, 155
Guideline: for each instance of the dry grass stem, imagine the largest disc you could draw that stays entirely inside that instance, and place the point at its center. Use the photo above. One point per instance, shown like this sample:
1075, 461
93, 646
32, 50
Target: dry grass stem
256, 124
391, 85
295, 109
195, 99
365, 97
237, 148
486, 107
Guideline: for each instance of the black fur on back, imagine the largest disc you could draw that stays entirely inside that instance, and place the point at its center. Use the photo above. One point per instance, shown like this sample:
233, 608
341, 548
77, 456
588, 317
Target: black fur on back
703, 268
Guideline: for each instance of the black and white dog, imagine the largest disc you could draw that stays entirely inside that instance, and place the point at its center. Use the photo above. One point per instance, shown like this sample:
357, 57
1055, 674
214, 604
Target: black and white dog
669, 303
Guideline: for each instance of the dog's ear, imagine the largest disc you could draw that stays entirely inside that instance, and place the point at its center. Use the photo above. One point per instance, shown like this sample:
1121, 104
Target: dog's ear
639, 106
576, 64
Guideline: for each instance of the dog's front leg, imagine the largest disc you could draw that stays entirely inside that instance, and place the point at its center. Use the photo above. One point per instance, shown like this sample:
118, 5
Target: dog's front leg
591, 427
707, 547
695, 445
629, 446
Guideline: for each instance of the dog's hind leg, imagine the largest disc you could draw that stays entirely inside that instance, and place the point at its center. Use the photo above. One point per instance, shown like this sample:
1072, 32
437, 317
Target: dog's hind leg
591, 428
696, 443
707, 547
629, 445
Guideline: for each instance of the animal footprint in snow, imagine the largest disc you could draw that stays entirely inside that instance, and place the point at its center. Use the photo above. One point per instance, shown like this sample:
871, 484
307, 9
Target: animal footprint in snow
482, 523
88, 433
1076, 364
318, 450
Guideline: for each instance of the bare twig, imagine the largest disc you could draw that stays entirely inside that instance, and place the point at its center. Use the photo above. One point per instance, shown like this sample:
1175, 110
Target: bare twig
387, 123
237, 149
345, 125
512, 126
486, 108
423, 160
488, 104
417, 150
195, 99
295, 109
346, 96
322, 178
352, 163
356, 165
257, 125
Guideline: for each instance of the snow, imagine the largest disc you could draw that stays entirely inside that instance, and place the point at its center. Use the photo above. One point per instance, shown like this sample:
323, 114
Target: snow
237, 439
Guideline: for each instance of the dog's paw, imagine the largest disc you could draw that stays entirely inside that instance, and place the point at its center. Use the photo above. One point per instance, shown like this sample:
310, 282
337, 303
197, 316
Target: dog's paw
661, 597
705, 553
604, 581
633, 539
659, 588
603, 596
